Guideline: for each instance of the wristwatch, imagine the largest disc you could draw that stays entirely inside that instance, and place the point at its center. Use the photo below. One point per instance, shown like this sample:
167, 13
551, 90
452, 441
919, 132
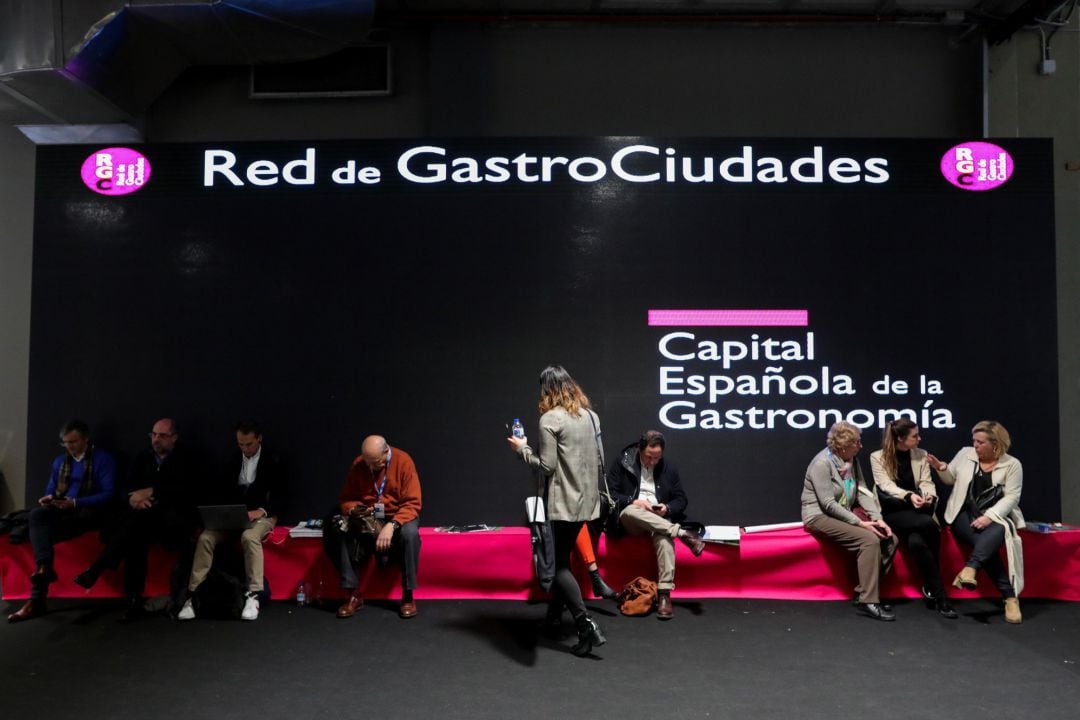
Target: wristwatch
396, 524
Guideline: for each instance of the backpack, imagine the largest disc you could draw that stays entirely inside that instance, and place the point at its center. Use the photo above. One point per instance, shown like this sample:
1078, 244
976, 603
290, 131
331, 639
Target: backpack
638, 597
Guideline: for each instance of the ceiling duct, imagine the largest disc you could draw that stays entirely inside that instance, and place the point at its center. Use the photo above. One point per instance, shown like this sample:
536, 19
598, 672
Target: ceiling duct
59, 61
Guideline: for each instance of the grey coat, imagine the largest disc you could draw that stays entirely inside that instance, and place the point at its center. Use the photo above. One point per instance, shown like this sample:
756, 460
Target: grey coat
568, 456
823, 486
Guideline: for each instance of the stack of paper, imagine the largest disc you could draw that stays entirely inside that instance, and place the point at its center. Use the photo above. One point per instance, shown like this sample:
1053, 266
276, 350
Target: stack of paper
306, 529
725, 534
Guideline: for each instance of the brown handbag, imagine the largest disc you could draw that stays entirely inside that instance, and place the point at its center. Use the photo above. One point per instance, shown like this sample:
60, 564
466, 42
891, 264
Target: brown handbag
638, 597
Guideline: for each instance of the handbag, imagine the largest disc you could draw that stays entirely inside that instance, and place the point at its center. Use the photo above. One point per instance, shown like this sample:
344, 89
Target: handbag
609, 506
890, 503
638, 597
986, 499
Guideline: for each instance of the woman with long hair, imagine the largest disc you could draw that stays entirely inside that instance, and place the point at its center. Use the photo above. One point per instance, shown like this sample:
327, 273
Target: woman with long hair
984, 511
907, 495
570, 457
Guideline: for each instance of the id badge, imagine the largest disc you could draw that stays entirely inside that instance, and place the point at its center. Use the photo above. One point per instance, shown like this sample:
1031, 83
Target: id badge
380, 511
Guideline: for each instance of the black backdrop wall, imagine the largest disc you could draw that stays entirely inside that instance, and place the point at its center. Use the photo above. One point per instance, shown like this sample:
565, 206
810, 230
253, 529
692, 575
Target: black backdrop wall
424, 309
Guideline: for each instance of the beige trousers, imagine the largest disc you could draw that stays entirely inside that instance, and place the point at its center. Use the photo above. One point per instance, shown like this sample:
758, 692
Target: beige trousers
873, 556
250, 542
639, 521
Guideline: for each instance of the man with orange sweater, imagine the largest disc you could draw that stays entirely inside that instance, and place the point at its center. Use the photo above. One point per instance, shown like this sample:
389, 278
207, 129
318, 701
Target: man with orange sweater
382, 485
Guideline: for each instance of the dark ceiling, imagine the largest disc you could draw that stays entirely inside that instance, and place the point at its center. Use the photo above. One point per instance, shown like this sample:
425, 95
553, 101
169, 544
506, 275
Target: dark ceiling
92, 61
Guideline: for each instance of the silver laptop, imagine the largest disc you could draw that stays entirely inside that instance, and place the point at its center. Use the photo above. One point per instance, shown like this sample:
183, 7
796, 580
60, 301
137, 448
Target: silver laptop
224, 517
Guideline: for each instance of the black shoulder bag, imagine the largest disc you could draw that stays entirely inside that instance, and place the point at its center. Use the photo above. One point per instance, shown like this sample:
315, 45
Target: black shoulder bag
609, 506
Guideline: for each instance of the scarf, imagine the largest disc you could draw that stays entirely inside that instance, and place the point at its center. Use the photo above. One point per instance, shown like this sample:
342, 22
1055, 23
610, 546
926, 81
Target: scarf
64, 477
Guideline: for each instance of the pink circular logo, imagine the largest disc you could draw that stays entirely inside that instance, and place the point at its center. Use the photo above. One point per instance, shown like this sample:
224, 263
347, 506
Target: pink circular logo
977, 166
116, 171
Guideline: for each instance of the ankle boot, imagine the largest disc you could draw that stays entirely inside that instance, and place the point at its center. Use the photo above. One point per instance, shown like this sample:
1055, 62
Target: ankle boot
44, 574
600, 588
966, 579
1012, 611
589, 636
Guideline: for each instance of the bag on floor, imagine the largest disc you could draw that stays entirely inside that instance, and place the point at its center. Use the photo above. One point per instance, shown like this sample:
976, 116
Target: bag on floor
638, 597
221, 596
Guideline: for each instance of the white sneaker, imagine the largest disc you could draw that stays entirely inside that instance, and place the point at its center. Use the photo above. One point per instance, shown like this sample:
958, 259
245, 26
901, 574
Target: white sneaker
187, 612
251, 608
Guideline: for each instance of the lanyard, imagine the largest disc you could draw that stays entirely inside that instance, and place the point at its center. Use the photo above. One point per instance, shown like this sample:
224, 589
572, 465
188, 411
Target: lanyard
379, 487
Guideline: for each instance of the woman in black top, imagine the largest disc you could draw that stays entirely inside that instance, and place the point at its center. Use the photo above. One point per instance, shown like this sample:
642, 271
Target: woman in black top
908, 497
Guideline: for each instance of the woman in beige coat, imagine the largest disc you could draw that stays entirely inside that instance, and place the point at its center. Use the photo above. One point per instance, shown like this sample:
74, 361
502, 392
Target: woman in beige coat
908, 497
984, 510
570, 458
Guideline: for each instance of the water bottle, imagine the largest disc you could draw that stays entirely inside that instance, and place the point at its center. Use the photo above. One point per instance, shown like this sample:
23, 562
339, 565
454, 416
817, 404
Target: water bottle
517, 429
301, 595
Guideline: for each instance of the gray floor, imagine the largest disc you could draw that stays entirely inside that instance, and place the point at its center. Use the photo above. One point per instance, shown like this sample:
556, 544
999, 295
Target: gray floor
483, 659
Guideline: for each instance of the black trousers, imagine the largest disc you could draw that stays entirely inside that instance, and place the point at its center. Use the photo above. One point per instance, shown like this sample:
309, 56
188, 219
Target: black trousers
919, 533
985, 550
350, 551
48, 526
136, 532
564, 589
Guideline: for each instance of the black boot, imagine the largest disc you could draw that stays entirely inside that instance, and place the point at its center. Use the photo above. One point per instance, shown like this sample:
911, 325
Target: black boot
589, 636
44, 574
600, 588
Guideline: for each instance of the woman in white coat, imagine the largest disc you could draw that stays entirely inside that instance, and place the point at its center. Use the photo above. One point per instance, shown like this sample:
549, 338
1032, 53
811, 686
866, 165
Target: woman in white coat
984, 511
906, 491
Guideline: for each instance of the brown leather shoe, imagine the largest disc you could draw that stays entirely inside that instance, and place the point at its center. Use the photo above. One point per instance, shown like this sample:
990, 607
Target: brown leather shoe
664, 610
407, 610
354, 603
693, 541
32, 609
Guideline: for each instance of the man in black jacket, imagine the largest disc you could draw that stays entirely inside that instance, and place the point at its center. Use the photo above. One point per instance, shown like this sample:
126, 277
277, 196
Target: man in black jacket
651, 502
255, 479
160, 510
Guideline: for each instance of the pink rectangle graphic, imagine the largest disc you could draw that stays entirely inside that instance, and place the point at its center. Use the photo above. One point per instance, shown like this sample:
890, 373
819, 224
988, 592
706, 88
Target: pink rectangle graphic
729, 318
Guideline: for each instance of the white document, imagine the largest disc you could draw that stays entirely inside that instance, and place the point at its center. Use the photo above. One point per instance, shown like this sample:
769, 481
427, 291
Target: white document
727, 534
773, 526
535, 504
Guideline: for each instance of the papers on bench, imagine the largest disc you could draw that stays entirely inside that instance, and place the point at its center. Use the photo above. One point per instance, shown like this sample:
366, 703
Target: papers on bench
724, 534
308, 528
772, 526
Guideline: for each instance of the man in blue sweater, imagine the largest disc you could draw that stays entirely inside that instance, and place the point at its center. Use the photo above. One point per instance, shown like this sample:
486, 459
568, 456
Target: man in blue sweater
81, 484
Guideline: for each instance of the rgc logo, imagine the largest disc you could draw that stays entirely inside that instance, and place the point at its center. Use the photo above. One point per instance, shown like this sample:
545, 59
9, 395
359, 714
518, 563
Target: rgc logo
977, 166
116, 171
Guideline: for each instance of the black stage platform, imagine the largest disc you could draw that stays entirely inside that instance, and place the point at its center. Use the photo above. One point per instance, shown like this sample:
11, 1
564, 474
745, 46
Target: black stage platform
484, 659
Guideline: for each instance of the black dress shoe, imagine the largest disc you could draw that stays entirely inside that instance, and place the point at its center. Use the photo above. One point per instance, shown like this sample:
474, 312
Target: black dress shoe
32, 609
945, 608
87, 578
855, 603
876, 611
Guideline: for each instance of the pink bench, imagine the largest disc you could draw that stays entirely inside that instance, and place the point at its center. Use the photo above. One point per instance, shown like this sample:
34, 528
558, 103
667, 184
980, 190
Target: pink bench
780, 564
